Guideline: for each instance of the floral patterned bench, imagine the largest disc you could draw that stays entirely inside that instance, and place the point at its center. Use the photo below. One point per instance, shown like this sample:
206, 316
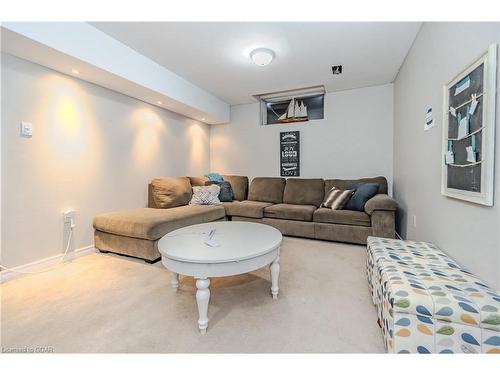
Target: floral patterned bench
427, 303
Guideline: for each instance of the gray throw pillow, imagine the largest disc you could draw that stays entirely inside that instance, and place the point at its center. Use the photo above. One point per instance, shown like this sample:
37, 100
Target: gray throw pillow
362, 193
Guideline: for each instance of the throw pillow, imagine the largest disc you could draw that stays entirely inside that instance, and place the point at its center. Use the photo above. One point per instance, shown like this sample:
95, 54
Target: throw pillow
214, 177
205, 195
168, 192
362, 193
226, 191
336, 198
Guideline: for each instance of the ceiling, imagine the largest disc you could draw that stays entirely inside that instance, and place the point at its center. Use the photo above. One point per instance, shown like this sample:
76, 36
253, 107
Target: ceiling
215, 55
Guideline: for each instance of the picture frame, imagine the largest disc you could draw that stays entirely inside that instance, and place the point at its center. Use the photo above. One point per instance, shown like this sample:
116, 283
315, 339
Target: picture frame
468, 145
290, 154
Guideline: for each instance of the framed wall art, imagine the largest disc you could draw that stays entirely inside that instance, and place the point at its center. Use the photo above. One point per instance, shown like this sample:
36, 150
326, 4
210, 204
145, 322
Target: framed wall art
469, 132
290, 154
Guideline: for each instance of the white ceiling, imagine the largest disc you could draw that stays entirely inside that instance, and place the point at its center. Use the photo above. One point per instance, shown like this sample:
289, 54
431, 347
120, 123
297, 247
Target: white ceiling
215, 56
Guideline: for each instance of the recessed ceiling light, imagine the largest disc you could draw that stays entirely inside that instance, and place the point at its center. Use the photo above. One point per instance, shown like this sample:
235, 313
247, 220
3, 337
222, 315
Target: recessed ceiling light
203, 119
262, 56
75, 71
159, 102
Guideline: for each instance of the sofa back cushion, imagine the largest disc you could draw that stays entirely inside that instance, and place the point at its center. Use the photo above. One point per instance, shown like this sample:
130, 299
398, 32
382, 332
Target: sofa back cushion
267, 189
347, 184
239, 184
309, 191
197, 180
168, 192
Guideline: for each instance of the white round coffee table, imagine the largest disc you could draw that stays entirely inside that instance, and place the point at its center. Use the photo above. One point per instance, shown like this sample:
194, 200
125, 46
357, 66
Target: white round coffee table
223, 248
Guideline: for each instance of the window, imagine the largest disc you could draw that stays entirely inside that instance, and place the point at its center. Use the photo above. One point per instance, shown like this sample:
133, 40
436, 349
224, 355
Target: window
292, 106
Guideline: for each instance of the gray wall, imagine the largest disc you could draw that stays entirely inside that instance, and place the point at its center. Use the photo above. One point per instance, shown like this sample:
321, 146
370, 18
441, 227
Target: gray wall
354, 139
468, 232
93, 150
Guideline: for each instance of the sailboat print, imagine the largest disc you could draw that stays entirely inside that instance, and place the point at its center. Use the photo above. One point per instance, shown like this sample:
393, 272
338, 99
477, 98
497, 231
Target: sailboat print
296, 111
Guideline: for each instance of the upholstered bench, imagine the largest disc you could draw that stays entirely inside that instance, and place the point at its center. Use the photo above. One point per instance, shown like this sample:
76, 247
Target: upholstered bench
427, 303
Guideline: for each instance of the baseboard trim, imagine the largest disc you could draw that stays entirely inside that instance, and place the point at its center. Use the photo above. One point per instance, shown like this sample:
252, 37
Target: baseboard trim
6, 275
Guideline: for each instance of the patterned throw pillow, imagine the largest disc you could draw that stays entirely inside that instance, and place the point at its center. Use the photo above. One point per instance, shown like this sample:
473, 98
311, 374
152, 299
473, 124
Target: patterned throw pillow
336, 199
205, 195
226, 191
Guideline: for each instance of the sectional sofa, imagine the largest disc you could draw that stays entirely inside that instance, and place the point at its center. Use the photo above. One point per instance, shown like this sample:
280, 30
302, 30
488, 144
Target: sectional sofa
291, 205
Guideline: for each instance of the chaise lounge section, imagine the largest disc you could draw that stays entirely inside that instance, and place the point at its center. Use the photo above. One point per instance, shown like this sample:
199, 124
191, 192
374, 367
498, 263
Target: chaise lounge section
291, 205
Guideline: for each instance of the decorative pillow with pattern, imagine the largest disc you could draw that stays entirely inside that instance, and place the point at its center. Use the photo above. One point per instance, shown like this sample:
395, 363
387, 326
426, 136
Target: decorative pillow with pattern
205, 195
226, 192
336, 198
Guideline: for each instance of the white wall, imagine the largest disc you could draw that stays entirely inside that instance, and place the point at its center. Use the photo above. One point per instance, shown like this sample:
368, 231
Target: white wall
65, 45
468, 232
93, 150
353, 140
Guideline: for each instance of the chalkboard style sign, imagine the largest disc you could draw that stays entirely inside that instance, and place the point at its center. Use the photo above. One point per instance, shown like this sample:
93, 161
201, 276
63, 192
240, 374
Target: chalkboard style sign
290, 153
469, 132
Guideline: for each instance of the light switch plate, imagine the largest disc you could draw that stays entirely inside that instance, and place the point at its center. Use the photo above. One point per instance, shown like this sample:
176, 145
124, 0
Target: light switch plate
26, 129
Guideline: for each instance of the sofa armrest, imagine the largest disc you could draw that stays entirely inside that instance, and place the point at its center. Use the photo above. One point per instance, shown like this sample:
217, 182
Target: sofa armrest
380, 202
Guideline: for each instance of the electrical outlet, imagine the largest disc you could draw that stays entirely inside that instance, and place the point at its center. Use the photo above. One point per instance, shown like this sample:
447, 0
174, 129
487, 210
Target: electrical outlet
69, 216
414, 221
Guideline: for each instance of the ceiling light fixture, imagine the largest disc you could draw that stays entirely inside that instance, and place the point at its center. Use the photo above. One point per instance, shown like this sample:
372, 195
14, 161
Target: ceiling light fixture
159, 102
262, 56
75, 71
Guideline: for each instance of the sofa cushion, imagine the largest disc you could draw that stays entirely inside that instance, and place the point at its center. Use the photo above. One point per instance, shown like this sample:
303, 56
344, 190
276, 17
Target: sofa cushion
239, 184
171, 192
153, 223
198, 180
252, 209
290, 211
308, 191
267, 189
345, 184
327, 215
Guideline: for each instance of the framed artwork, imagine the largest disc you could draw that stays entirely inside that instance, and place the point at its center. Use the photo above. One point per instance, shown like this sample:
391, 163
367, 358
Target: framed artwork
469, 132
290, 154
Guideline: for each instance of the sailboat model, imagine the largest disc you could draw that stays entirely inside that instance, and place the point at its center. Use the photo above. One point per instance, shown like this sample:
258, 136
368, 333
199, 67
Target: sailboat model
296, 111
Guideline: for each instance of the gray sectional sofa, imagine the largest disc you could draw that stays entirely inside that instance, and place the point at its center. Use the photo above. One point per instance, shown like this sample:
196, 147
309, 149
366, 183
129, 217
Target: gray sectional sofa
291, 205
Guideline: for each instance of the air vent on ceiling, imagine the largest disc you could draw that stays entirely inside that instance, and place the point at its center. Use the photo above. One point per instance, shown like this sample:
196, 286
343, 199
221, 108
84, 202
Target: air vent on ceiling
336, 69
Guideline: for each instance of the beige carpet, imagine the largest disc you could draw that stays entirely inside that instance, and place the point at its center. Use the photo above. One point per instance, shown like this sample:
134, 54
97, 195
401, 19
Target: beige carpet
107, 303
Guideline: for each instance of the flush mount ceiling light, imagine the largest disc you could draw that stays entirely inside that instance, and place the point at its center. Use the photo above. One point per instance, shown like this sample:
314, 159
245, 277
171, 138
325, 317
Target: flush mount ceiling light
262, 56
75, 71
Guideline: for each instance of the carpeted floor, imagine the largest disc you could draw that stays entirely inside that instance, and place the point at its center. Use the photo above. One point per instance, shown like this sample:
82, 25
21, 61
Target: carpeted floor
108, 303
